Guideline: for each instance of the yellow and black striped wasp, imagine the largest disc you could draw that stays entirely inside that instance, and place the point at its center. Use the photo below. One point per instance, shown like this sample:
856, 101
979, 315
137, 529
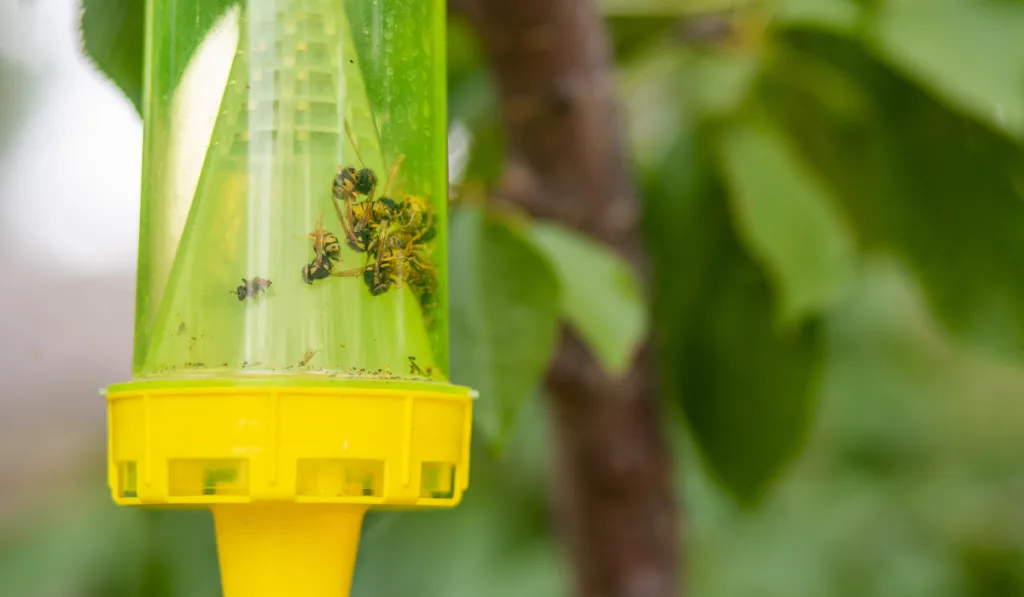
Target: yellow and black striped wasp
325, 243
378, 279
360, 221
326, 250
351, 182
318, 269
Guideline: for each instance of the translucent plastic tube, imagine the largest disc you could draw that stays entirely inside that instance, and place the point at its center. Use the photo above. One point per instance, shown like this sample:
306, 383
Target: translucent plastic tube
234, 278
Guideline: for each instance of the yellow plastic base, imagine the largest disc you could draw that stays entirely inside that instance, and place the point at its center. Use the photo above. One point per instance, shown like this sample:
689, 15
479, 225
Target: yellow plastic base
289, 472
341, 445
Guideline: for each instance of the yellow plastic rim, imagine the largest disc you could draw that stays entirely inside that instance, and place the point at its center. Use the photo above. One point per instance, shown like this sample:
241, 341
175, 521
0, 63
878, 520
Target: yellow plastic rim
184, 445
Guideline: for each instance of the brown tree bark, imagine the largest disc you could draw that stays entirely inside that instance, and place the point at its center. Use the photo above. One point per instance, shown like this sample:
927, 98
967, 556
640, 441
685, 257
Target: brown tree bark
615, 505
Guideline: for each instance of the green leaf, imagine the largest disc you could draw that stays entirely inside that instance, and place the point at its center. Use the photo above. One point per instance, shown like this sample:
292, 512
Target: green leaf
723, 82
786, 218
487, 153
472, 102
113, 35
630, 35
504, 306
970, 53
746, 385
464, 56
602, 298
839, 15
920, 181
651, 89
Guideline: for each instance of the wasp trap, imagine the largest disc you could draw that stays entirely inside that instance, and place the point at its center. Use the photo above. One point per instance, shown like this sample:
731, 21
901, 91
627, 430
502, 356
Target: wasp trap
291, 360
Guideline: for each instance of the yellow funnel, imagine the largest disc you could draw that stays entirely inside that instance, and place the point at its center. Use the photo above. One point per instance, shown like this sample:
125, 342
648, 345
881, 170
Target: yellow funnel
287, 549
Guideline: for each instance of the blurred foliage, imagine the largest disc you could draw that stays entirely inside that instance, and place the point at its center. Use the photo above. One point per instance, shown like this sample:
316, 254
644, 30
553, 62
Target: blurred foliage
113, 34
743, 378
601, 297
506, 296
833, 208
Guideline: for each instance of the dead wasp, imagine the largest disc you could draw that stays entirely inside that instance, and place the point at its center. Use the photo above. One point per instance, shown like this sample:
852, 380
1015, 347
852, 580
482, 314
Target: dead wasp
347, 186
405, 256
357, 241
357, 218
251, 288
378, 214
414, 369
324, 241
416, 216
399, 230
318, 269
378, 279
371, 217
351, 182
398, 259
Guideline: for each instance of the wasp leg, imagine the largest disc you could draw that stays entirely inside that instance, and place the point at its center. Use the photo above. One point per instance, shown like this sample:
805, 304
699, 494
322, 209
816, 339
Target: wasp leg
364, 220
342, 212
352, 140
355, 271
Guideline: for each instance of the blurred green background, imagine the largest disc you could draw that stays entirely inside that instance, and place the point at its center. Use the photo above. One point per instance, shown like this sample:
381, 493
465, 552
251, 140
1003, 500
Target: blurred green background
833, 206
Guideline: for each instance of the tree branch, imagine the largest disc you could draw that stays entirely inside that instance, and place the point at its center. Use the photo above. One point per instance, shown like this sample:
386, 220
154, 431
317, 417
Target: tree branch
616, 509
